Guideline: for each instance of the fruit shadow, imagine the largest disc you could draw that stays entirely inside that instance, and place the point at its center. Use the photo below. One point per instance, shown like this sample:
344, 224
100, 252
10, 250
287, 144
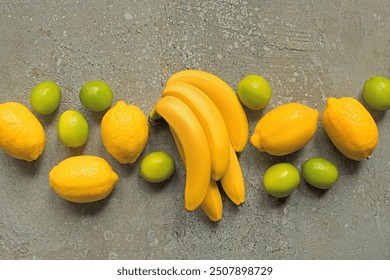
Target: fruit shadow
29, 168
156, 126
277, 202
254, 115
87, 209
77, 151
280, 203
209, 223
125, 170
158, 187
47, 120
378, 116
317, 192
269, 160
95, 117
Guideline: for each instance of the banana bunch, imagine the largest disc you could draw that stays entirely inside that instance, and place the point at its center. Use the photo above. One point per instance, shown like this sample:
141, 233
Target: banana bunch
209, 126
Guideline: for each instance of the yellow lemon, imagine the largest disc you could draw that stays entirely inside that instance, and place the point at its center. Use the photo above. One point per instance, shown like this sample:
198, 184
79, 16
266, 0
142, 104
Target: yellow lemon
21, 134
285, 129
124, 131
350, 127
83, 179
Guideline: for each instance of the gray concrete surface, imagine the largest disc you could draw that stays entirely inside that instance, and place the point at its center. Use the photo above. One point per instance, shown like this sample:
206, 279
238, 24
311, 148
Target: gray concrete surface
308, 50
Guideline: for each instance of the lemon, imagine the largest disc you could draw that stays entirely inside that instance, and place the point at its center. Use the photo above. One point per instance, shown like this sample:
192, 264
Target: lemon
157, 167
124, 131
21, 134
72, 129
285, 129
376, 93
254, 92
350, 127
45, 97
281, 179
96, 96
319, 173
83, 179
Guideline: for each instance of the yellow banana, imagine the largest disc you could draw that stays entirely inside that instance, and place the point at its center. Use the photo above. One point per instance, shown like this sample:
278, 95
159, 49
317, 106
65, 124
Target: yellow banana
195, 146
212, 203
233, 181
178, 146
224, 98
211, 121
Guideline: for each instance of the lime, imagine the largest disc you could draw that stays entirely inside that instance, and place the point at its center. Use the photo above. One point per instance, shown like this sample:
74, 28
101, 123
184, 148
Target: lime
72, 129
96, 96
45, 97
254, 92
281, 179
319, 173
157, 167
376, 93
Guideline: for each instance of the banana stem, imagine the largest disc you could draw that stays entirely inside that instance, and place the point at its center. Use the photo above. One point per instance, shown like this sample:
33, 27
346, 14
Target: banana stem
154, 118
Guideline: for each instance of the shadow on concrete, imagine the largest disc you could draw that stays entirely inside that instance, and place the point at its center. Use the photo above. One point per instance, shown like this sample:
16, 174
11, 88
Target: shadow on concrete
378, 116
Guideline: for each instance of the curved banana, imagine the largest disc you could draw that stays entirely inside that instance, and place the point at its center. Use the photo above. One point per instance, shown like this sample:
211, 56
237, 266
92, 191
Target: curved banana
212, 203
211, 121
233, 181
195, 145
178, 146
224, 98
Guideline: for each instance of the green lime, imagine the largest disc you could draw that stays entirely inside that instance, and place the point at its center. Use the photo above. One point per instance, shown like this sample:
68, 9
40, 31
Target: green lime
96, 96
319, 173
254, 92
45, 97
281, 179
157, 167
376, 93
72, 129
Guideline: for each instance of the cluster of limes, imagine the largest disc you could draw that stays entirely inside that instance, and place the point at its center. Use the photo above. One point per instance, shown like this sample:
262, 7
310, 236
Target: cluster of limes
281, 179
72, 126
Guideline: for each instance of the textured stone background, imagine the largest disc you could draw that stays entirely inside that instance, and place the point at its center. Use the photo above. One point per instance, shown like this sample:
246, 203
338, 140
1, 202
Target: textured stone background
308, 50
